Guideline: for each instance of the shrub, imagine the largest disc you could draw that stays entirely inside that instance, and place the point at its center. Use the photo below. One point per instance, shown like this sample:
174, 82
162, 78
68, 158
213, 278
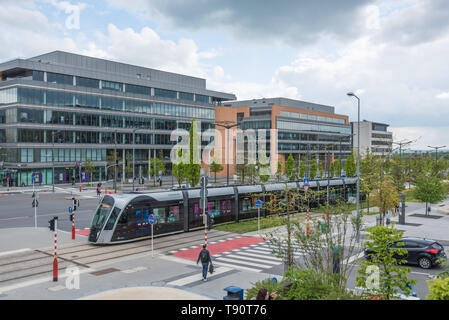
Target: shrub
439, 289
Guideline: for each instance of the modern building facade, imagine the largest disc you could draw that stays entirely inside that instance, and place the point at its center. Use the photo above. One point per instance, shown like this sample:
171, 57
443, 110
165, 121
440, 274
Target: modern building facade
374, 137
305, 130
60, 109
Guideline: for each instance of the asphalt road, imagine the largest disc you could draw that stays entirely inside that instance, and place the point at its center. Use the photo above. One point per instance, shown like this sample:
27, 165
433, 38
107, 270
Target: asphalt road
16, 211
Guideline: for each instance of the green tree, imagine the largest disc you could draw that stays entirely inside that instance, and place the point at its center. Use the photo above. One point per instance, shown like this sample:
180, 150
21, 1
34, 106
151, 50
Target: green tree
439, 289
290, 168
385, 261
370, 174
264, 168
337, 167
215, 167
397, 173
193, 171
429, 190
386, 197
179, 169
321, 166
302, 169
279, 171
312, 170
159, 164
350, 166
89, 166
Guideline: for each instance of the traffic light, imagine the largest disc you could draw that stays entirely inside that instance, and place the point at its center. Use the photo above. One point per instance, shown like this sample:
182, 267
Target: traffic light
116, 163
210, 222
52, 224
71, 217
35, 203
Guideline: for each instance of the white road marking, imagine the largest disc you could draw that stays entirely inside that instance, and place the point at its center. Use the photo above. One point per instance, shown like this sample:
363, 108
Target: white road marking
244, 262
236, 267
5, 253
197, 277
259, 256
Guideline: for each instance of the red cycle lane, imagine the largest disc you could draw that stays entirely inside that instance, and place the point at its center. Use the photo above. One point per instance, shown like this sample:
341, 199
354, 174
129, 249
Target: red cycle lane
220, 247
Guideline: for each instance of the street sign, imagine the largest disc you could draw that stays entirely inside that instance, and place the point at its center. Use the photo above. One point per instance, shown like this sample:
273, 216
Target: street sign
151, 219
70, 209
258, 203
306, 188
306, 182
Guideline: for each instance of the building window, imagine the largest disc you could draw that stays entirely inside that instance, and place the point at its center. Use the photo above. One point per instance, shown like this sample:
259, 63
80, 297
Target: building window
87, 82
201, 98
138, 89
38, 75
60, 78
186, 96
115, 86
165, 93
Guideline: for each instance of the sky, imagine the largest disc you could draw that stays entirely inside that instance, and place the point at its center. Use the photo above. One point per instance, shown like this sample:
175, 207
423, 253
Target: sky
392, 53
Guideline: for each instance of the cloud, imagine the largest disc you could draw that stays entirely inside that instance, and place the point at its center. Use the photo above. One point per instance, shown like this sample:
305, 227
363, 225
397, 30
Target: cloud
442, 95
424, 136
296, 23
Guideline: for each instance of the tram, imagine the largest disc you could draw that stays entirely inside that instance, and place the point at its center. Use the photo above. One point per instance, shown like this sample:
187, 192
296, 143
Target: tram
123, 218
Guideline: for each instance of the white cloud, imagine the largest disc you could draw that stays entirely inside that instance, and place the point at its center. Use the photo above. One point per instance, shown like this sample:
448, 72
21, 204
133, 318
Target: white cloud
425, 136
442, 95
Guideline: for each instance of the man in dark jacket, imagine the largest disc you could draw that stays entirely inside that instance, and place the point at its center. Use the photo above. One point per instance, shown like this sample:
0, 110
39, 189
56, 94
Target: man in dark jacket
204, 256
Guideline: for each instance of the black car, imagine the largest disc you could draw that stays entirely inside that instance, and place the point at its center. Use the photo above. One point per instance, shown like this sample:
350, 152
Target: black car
422, 252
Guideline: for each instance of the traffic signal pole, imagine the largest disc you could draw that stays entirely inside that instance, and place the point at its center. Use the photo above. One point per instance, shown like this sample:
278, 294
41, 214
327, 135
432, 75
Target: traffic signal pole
55, 260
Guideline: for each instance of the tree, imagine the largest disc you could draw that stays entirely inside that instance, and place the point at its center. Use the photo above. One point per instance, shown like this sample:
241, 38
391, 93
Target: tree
386, 197
350, 166
332, 169
193, 171
89, 168
215, 167
397, 173
439, 289
279, 171
179, 169
264, 168
370, 172
159, 164
337, 240
383, 264
337, 167
302, 169
429, 190
321, 166
313, 168
290, 168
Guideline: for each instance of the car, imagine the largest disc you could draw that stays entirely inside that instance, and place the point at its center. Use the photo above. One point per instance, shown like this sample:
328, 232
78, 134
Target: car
425, 253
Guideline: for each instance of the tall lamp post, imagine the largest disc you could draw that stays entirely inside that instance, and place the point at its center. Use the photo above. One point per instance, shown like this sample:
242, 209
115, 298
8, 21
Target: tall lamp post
436, 154
134, 142
350, 94
227, 127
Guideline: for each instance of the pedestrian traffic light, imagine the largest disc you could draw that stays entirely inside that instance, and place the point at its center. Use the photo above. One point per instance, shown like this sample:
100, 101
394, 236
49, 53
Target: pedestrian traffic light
35, 203
52, 224
210, 222
71, 217
116, 163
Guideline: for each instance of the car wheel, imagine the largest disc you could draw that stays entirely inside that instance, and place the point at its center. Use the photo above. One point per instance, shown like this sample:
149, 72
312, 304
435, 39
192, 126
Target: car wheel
424, 263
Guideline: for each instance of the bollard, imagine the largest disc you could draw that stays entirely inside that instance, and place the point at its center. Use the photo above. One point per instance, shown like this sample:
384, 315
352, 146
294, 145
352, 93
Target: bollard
55, 260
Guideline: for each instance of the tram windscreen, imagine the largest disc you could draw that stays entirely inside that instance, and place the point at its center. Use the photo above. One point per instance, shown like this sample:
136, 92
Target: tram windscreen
102, 214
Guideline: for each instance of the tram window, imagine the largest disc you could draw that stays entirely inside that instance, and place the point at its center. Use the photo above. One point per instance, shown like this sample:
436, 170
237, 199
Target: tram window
159, 215
112, 219
123, 221
173, 215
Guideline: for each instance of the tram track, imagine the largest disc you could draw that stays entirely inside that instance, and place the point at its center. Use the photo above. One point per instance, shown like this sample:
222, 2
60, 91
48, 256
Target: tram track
39, 261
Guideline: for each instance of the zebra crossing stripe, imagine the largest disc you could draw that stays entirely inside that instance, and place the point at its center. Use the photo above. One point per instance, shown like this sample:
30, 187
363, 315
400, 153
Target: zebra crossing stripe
242, 262
256, 260
237, 267
259, 256
197, 277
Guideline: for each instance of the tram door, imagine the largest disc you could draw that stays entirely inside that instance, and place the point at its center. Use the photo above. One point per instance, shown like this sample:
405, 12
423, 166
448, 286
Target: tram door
142, 222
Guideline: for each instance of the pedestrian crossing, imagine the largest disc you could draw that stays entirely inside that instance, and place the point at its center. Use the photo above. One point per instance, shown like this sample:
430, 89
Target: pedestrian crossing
256, 258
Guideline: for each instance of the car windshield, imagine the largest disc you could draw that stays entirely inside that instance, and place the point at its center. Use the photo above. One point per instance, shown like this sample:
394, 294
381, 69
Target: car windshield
101, 215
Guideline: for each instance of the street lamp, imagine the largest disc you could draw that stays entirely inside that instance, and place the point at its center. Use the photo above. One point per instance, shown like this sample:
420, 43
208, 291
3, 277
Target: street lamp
436, 154
350, 94
134, 141
227, 126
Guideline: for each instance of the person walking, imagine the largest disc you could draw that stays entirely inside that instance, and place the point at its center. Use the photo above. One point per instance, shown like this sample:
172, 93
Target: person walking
204, 256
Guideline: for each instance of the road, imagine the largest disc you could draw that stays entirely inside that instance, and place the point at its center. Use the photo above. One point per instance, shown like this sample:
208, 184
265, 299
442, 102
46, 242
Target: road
16, 210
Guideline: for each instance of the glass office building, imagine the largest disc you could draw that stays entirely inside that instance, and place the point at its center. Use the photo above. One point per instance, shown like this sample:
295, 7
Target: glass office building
61, 109
305, 130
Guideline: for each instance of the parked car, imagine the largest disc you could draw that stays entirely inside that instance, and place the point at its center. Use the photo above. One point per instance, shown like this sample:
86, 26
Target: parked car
425, 253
